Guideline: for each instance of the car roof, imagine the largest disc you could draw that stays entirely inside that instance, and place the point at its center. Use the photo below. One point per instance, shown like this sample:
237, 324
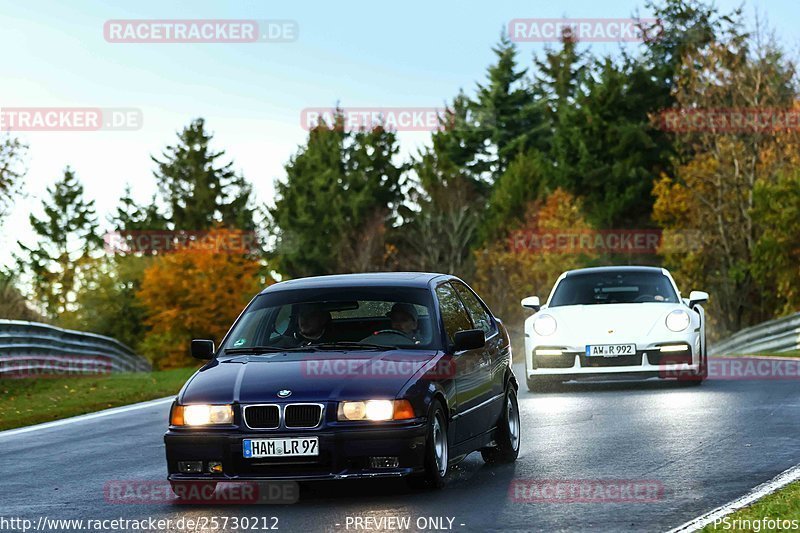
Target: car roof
609, 269
371, 279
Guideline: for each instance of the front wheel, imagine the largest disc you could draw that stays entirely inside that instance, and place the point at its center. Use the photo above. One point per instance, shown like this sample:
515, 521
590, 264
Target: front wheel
702, 373
508, 433
437, 451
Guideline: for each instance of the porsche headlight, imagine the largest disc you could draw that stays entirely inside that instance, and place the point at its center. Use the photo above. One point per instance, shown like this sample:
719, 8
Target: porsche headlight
376, 410
544, 325
678, 320
201, 415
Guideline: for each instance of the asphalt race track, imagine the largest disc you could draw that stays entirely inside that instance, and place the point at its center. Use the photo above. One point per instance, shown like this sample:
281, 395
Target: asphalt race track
705, 445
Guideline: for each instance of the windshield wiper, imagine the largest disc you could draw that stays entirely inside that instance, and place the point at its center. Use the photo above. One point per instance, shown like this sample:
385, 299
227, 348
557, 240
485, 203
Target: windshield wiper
352, 344
267, 349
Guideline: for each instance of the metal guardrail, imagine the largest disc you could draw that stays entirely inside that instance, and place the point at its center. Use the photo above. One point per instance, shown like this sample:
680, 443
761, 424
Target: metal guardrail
780, 335
30, 348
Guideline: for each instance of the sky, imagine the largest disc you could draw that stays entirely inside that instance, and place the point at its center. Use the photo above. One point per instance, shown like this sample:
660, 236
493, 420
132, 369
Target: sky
357, 53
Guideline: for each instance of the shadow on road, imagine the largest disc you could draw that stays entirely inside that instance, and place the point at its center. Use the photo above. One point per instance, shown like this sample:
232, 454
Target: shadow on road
471, 471
616, 385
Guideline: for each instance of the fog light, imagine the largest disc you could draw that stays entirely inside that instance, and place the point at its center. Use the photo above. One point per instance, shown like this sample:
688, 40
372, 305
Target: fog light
674, 348
215, 467
190, 467
548, 351
384, 462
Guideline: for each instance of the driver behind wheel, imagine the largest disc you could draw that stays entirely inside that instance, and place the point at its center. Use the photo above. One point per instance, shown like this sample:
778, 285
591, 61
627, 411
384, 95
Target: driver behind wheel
404, 322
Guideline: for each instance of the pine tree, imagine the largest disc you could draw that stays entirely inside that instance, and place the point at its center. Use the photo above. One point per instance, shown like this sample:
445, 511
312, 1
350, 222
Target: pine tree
130, 216
66, 236
504, 111
334, 187
11, 171
199, 190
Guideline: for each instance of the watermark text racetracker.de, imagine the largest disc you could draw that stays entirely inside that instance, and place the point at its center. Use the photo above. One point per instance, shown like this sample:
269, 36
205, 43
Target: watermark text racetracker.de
729, 120
147, 524
159, 242
70, 119
367, 118
442, 368
627, 241
200, 31
598, 30
586, 491
741, 368
143, 491
52, 365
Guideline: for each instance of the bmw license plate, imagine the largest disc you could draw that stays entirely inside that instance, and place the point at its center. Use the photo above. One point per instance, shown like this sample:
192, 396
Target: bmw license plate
288, 447
610, 350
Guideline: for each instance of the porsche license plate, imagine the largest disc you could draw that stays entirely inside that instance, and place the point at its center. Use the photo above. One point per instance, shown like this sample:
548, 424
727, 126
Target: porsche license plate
610, 350
288, 447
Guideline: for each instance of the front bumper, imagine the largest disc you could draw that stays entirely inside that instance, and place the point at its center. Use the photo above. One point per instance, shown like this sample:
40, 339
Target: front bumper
343, 453
648, 361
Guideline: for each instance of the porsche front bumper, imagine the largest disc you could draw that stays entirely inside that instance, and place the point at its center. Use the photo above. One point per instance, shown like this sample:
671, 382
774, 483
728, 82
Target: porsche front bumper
648, 361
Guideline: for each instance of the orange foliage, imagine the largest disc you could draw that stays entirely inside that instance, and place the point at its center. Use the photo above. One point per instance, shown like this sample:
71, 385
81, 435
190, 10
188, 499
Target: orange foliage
193, 294
504, 277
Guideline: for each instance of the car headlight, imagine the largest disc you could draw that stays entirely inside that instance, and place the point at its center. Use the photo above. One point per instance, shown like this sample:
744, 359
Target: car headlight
544, 325
201, 415
376, 410
678, 320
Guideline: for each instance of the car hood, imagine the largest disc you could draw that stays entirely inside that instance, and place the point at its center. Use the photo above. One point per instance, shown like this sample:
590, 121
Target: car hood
610, 323
316, 376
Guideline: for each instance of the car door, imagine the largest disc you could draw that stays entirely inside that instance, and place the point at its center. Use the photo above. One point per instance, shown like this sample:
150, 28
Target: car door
494, 356
473, 386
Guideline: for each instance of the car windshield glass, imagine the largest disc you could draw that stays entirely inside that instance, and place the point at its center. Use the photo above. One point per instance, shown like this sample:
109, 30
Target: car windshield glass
613, 287
346, 319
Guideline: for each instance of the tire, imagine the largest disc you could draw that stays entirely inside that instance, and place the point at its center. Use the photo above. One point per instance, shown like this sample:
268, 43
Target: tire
697, 379
437, 451
193, 491
508, 432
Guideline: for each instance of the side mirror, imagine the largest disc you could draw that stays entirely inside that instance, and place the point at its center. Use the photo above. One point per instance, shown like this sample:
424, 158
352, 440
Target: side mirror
531, 302
202, 349
469, 339
697, 297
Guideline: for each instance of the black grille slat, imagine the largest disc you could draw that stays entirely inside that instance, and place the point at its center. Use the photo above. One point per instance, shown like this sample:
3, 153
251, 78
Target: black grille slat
302, 416
262, 416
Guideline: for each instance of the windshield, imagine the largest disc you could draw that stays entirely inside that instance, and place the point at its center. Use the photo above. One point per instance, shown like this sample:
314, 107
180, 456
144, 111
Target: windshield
613, 287
346, 318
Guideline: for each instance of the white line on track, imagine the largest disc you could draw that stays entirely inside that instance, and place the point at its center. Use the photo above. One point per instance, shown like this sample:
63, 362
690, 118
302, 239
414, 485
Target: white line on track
779, 481
89, 416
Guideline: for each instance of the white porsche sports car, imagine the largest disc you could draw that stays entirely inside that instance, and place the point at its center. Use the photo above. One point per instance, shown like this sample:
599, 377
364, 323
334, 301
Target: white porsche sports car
610, 321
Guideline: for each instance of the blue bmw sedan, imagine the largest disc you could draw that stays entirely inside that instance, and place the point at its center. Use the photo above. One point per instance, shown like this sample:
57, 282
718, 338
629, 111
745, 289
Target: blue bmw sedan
348, 376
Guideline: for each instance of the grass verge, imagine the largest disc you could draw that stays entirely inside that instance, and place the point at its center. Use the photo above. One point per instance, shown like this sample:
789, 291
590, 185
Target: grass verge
783, 505
42, 399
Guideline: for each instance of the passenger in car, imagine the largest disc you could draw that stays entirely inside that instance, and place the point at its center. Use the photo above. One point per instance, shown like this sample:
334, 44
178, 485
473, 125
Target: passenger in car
312, 322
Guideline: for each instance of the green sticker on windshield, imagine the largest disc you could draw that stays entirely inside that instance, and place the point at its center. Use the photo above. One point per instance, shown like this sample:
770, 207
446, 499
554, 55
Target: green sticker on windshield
240, 342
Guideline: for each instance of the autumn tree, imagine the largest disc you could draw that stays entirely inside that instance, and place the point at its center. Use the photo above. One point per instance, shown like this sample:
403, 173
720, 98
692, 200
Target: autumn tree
505, 275
13, 304
193, 293
720, 168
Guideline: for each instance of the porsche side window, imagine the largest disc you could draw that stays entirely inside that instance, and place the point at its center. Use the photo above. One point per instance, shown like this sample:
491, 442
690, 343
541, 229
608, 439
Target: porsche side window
453, 313
480, 317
